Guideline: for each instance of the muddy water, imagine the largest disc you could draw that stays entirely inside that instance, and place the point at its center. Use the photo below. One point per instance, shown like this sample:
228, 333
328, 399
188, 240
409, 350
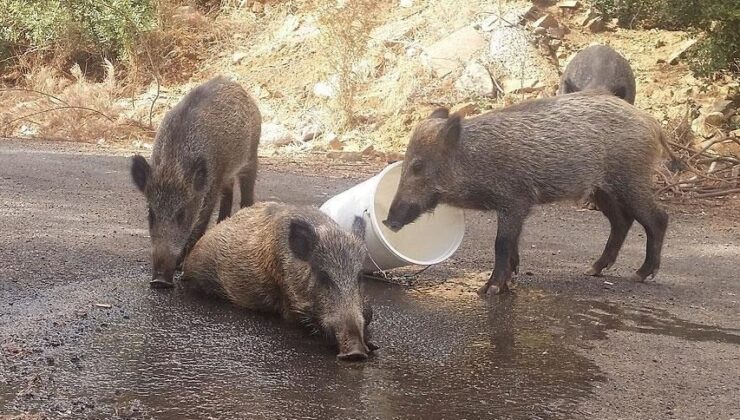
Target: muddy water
179, 356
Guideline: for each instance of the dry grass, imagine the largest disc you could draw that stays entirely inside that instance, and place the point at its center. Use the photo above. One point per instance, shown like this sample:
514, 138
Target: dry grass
50, 105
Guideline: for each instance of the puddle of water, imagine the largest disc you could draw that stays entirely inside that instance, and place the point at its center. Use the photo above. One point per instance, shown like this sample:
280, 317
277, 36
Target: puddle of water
184, 357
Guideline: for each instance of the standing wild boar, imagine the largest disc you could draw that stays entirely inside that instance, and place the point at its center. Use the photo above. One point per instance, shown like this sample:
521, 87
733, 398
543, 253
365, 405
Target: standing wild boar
203, 145
534, 152
599, 67
294, 261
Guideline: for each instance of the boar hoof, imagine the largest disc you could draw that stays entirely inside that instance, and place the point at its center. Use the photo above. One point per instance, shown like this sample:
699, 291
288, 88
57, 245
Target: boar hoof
354, 356
371, 346
593, 272
493, 289
161, 284
638, 277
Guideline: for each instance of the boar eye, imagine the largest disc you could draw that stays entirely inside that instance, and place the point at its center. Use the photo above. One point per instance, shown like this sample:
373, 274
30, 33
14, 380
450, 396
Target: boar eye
180, 217
417, 166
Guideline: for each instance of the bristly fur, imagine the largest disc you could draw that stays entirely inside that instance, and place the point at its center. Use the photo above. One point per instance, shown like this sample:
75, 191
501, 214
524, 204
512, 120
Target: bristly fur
535, 152
206, 142
314, 281
599, 67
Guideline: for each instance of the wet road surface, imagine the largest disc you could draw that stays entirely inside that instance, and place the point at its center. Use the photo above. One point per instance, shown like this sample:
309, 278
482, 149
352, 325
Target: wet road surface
83, 336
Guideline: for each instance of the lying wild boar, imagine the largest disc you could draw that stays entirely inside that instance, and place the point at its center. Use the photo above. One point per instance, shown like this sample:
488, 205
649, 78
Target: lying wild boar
203, 145
599, 67
294, 261
534, 152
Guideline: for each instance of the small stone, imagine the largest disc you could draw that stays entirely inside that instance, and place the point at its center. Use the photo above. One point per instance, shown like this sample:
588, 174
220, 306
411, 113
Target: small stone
101, 142
475, 80
465, 109
715, 119
595, 25
680, 51
556, 32
569, 4
514, 86
323, 90
735, 133
530, 13
546, 21
489, 23
258, 7
276, 135
723, 106
369, 151
238, 56
587, 17
391, 157
336, 144
346, 156
406, 3
540, 31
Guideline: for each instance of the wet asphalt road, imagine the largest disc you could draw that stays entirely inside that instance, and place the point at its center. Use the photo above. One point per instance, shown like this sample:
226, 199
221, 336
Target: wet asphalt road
83, 336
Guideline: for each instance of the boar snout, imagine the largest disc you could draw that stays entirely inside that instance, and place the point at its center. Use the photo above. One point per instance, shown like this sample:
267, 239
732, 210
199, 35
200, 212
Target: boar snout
401, 214
163, 270
354, 351
352, 344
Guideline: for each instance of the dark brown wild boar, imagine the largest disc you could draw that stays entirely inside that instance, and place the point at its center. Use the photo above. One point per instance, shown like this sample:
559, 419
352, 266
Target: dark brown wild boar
535, 152
293, 261
599, 67
206, 142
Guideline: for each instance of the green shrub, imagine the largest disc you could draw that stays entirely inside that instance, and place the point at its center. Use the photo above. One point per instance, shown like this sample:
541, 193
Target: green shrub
106, 28
717, 20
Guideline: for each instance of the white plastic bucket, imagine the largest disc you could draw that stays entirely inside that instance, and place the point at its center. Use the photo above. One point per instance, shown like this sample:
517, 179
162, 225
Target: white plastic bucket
431, 239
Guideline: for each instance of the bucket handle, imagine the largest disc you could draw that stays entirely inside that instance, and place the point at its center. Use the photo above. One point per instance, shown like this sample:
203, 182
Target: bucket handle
384, 273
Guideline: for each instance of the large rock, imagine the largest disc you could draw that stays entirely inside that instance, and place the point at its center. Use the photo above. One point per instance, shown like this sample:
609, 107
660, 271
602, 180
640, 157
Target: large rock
475, 80
446, 55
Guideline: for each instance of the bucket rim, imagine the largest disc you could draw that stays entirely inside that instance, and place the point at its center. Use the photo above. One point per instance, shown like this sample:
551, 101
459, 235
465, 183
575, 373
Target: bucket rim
377, 228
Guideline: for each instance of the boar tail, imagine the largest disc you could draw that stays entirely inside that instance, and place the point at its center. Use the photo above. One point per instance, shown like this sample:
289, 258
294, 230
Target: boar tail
676, 162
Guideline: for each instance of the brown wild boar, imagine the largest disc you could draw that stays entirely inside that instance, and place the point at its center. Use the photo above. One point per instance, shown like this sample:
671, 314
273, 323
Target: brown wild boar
535, 152
599, 67
293, 261
206, 142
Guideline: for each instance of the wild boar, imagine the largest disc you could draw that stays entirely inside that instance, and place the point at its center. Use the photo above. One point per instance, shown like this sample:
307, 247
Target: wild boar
293, 261
207, 141
535, 152
599, 67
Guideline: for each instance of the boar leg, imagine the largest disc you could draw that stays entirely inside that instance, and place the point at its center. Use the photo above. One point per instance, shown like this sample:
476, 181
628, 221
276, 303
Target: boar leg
247, 177
204, 217
620, 224
655, 221
227, 200
510, 223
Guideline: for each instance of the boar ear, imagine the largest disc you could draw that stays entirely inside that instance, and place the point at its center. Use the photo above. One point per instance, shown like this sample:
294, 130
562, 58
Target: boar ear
140, 171
358, 228
450, 132
199, 174
441, 112
301, 239
568, 86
